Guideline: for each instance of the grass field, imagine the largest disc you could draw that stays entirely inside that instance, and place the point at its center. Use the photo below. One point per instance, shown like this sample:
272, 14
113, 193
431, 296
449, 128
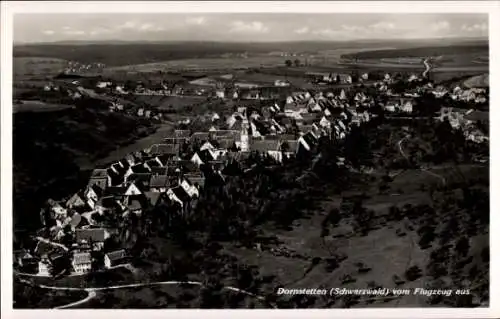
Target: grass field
164, 102
38, 106
479, 81
206, 64
26, 68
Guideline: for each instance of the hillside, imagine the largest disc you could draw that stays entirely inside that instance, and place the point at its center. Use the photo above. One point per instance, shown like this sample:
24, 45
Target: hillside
473, 48
49, 149
126, 53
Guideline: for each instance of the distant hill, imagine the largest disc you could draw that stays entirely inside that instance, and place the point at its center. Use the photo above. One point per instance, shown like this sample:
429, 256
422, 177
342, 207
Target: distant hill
117, 53
479, 47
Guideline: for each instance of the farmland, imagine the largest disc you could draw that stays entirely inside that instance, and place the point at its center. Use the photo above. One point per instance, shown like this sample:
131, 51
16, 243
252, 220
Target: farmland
38, 106
170, 102
478, 81
37, 68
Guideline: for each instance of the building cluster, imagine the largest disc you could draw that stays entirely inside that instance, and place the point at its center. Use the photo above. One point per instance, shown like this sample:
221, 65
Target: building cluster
73, 67
173, 173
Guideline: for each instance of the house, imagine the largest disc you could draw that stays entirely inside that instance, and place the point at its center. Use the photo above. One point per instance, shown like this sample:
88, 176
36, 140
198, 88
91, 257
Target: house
136, 204
220, 93
200, 136
281, 83
100, 177
189, 188
215, 117
132, 189
102, 84
289, 147
269, 147
390, 106
159, 183
308, 141
164, 149
44, 267
76, 220
82, 262
342, 95
182, 134
406, 106
475, 135
57, 210
76, 200
324, 122
196, 179
91, 234
207, 146
178, 194
115, 258
203, 157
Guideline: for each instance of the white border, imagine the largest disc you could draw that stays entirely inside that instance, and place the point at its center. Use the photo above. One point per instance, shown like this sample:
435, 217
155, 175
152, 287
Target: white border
9, 8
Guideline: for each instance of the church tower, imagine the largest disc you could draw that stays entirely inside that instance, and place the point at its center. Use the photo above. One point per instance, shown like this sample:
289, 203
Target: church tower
245, 140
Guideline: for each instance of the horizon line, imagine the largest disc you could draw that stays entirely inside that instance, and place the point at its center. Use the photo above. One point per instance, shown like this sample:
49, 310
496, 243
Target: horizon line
458, 38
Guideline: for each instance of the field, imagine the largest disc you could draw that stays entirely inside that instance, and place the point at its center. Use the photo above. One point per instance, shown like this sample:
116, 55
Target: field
38, 106
478, 49
37, 68
478, 81
205, 64
169, 102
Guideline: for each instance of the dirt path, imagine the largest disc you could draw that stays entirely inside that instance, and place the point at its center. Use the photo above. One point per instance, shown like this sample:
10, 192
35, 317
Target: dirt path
92, 292
51, 243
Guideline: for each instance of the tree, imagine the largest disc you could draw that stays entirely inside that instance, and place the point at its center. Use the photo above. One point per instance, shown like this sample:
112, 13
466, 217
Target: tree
296, 62
288, 63
413, 273
462, 246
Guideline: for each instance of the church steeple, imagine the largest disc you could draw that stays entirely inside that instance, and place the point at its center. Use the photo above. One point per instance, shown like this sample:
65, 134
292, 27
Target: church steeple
245, 140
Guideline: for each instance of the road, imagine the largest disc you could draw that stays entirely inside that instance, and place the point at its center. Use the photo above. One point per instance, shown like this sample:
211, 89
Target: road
401, 148
425, 170
51, 243
92, 292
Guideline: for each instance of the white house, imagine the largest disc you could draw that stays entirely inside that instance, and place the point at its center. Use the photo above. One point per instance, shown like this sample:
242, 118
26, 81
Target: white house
132, 190
342, 95
103, 85
189, 188
407, 107
114, 258
44, 267
324, 122
82, 262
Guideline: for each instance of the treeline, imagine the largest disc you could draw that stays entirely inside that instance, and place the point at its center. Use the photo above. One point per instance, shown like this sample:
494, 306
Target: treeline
419, 52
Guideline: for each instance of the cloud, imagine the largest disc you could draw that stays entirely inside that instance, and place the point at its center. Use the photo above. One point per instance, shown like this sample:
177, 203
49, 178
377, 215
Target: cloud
196, 21
127, 25
440, 26
383, 26
74, 32
100, 31
150, 27
475, 27
303, 30
352, 28
49, 32
251, 27
329, 33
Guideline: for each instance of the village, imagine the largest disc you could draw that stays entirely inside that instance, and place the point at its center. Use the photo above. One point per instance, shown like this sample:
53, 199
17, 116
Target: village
174, 172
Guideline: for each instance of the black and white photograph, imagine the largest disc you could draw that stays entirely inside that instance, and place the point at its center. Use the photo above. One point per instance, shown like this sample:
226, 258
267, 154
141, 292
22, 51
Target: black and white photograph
247, 160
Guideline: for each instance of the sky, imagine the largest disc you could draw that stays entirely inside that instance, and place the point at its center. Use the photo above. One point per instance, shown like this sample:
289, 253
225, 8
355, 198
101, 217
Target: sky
265, 27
